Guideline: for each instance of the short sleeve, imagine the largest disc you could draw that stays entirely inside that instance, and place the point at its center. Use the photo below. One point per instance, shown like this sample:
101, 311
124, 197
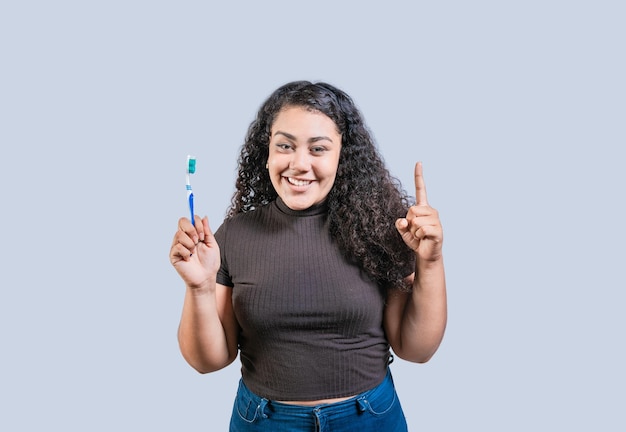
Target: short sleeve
223, 276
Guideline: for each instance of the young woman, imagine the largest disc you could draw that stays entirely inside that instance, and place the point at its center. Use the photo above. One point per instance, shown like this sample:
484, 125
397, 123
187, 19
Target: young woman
320, 268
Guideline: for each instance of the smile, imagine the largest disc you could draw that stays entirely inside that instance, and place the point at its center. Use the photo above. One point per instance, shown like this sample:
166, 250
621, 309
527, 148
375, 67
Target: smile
297, 182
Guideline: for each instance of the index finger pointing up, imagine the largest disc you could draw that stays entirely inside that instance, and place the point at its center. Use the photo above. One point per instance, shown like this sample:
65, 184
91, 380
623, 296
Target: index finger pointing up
420, 186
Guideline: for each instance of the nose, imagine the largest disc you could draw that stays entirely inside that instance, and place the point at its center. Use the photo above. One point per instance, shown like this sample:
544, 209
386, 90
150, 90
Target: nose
300, 160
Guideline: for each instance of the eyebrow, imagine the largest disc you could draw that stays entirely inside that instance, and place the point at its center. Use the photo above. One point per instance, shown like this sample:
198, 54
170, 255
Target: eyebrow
311, 140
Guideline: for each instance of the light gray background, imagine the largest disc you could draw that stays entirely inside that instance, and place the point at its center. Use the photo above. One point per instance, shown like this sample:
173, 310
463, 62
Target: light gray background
517, 110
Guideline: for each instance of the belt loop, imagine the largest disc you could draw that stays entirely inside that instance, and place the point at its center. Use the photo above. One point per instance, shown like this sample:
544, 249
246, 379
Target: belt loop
262, 407
363, 404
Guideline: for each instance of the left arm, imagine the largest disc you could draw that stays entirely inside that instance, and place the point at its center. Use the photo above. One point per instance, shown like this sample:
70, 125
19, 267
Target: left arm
415, 321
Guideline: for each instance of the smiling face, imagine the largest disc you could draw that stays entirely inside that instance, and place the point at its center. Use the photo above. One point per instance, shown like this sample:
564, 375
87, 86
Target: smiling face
303, 156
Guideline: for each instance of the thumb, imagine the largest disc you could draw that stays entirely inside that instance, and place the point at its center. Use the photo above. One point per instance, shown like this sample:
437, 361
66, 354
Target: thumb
402, 225
208, 234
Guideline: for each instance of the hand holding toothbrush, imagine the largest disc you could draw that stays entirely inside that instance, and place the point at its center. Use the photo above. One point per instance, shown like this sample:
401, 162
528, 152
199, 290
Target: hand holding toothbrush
194, 252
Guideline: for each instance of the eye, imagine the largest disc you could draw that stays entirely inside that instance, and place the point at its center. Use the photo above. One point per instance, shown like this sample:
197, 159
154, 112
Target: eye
318, 149
284, 146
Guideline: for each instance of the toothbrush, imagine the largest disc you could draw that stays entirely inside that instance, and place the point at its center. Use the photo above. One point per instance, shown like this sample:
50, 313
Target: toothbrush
191, 168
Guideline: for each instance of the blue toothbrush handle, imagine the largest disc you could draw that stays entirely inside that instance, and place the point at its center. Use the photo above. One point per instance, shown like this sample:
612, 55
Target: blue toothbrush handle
190, 199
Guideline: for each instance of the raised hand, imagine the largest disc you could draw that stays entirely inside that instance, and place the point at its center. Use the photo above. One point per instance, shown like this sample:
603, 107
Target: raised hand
194, 253
421, 228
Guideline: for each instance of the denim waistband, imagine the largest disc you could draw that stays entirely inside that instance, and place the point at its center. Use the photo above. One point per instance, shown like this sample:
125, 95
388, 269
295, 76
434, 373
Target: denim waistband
360, 401
374, 410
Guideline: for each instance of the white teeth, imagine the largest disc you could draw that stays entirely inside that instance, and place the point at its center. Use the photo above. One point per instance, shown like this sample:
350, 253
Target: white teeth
298, 182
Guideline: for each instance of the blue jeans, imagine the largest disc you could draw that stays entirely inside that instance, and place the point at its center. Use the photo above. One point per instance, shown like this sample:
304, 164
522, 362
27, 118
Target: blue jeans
375, 410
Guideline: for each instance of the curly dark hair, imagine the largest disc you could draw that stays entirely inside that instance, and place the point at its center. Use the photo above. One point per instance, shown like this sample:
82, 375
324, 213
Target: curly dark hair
365, 199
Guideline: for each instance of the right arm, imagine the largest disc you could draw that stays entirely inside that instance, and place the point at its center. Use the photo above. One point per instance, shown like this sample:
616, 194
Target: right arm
208, 329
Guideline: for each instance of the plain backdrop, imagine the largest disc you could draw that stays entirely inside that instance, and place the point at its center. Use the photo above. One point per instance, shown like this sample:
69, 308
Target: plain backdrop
516, 108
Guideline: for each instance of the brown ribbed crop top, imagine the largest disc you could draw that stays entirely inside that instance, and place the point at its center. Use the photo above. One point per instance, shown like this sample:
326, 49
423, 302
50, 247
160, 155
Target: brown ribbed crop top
311, 322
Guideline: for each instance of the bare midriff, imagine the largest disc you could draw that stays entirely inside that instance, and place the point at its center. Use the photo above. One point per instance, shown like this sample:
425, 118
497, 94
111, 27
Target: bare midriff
316, 402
